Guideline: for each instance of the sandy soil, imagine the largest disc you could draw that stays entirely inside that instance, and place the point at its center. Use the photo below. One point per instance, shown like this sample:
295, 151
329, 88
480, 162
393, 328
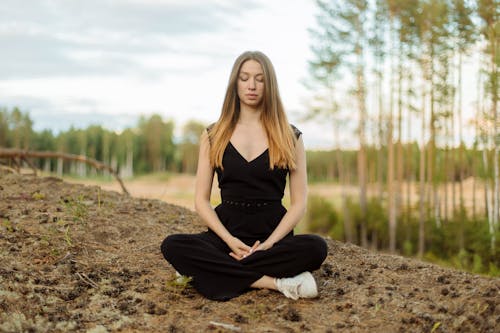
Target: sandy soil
179, 190
79, 258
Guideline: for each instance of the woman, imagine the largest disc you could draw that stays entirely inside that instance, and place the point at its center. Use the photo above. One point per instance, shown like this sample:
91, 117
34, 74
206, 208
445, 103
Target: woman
250, 241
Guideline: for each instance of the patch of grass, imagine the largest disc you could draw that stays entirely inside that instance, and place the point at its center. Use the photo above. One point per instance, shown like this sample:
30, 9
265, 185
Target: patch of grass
435, 327
255, 311
67, 237
38, 196
179, 282
55, 252
44, 241
77, 209
8, 225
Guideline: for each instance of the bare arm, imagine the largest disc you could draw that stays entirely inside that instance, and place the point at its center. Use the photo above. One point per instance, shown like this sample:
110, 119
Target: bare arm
203, 189
298, 199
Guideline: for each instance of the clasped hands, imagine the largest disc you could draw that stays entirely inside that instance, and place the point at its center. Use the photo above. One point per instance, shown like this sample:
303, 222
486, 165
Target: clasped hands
240, 250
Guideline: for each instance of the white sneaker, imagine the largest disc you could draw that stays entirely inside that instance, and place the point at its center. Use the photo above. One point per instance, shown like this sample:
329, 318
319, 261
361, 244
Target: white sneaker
299, 286
178, 277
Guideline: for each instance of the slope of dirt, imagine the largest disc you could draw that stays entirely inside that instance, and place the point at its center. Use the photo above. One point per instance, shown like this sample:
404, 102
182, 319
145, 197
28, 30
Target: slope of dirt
77, 258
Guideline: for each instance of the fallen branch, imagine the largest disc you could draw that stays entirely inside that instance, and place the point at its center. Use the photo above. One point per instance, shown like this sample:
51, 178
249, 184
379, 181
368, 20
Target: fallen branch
226, 326
145, 247
22, 155
66, 256
7, 169
87, 280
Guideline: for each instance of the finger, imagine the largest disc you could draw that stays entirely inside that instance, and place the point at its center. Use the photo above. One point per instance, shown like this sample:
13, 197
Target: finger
235, 256
255, 246
244, 247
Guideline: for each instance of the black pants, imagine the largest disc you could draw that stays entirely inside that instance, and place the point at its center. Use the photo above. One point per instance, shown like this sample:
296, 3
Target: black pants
218, 276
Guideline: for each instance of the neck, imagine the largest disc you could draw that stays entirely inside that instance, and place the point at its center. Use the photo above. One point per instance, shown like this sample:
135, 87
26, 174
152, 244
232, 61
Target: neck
249, 115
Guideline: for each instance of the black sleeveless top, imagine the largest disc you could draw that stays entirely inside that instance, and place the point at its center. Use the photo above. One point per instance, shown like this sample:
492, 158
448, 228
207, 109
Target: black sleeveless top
250, 180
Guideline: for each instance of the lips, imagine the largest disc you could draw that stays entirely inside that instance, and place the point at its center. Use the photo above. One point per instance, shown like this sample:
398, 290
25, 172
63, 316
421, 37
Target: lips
251, 95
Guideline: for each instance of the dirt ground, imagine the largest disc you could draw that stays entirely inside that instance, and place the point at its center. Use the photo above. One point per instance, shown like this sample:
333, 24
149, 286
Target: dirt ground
79, 258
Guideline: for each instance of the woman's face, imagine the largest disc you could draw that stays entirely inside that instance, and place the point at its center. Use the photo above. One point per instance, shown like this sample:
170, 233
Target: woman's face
251, 84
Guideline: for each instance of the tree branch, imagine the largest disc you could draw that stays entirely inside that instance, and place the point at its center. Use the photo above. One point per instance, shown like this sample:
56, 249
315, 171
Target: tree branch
23, 154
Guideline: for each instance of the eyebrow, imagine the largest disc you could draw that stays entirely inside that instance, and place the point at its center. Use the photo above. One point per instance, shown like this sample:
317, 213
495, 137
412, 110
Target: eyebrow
250, 73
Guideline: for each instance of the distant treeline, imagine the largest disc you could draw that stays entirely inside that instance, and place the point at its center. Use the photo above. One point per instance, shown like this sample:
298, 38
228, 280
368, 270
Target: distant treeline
148, 147
328, 165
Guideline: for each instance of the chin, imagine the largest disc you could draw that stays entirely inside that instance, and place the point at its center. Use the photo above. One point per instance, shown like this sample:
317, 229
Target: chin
253, 103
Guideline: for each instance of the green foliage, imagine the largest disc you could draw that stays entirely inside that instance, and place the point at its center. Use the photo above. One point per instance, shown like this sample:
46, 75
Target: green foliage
188, 147
321, 216
442, 241
494, 270
408, 248
377, 221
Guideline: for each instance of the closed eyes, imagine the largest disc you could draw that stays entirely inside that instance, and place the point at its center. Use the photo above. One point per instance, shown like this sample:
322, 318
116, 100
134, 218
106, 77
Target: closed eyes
258, 78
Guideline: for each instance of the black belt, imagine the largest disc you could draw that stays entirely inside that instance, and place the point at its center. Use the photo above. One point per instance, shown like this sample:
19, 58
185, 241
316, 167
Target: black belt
249, 203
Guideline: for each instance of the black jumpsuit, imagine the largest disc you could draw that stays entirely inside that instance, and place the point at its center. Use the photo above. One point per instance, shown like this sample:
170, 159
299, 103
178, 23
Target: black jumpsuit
250, 210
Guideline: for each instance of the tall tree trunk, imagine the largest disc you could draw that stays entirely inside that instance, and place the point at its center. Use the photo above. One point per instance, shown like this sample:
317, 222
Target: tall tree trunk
59, 167
362, 181
81, 168
496, 145
432, 195
390, 187
347, 213
106, 152
460, 135
488, 199
390, 163
410, 180
448, 179
422, 196
380, 153
360, 82
453, 163
46, 165
399, 183
343, 183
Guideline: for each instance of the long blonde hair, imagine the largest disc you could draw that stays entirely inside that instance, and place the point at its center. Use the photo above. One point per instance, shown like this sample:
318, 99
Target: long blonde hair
280, 135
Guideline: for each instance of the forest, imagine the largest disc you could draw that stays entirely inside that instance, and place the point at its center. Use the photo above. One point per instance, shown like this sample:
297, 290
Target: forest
391, 74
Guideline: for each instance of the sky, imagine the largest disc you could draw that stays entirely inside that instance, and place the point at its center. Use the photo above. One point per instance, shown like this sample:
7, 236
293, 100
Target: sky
107, 62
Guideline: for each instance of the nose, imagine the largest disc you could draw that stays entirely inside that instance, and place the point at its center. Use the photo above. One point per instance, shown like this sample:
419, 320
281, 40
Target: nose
251, 84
